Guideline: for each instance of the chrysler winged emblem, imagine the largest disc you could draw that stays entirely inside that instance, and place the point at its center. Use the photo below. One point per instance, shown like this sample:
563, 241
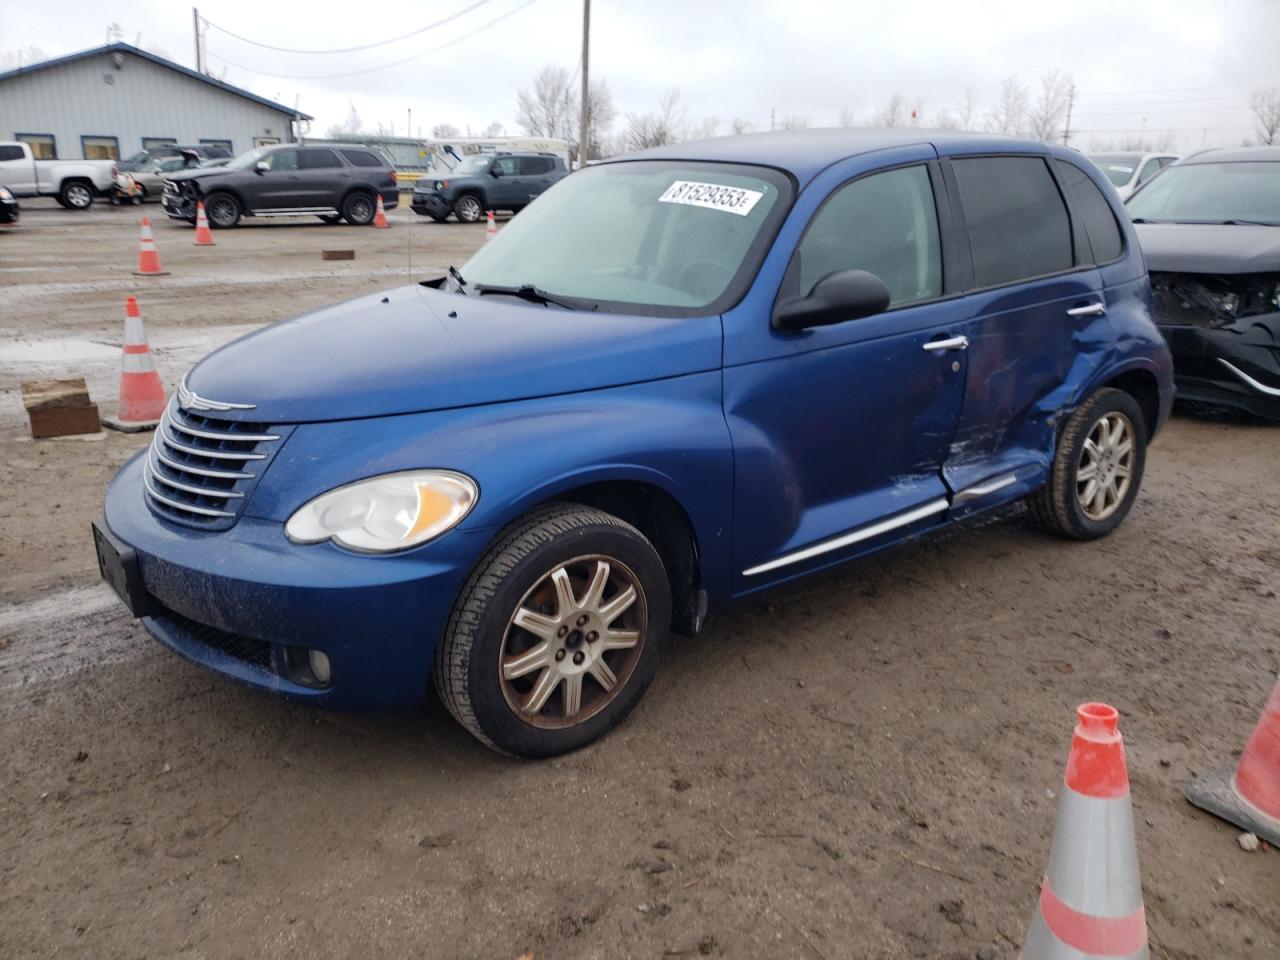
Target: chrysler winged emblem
191, 401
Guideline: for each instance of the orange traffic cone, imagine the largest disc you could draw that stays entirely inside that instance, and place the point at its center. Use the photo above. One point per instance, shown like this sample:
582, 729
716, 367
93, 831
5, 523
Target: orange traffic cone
1249, 795
1091, 898
141, 392
491, 228
204, 236
148, 257
380, 218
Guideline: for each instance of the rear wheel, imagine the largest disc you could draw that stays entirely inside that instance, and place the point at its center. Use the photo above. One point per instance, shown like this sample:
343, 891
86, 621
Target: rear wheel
359, 209
222, 209
557, 633
1097, 468
76, 195
468, 209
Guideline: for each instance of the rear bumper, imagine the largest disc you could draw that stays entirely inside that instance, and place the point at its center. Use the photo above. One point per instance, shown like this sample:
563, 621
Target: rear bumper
244, 601
1237, 365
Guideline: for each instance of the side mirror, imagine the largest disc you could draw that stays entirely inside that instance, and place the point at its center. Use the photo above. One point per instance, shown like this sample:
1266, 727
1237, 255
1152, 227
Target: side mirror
261, 166
843, 295
495, 172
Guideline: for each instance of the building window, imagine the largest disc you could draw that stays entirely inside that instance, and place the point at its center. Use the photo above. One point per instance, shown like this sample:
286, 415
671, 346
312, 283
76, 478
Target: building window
43, 145
153, 143
100, 148
265, 141
224, 145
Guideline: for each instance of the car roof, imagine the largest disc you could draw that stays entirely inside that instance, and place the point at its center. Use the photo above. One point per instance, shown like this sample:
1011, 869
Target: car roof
1233, 155
803, 153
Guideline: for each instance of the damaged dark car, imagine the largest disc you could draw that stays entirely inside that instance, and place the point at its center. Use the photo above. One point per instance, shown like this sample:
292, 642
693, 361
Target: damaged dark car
1210, 231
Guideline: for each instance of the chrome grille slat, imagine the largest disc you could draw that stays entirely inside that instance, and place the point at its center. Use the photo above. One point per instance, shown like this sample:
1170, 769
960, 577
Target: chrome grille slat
194, 475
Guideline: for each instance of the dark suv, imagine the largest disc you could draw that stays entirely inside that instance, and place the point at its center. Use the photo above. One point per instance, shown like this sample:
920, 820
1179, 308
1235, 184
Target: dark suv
333, 183
503, 181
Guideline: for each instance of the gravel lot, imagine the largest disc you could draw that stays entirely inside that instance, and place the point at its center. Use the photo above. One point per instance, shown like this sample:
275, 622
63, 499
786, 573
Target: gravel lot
865, 765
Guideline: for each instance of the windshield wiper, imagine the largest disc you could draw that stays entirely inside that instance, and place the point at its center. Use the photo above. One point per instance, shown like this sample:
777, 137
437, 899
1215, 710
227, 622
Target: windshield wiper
1248, 223
527, 291
1144, 220
457, 278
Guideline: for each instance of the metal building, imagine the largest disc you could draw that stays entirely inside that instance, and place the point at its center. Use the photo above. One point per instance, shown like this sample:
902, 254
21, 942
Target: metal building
112, 101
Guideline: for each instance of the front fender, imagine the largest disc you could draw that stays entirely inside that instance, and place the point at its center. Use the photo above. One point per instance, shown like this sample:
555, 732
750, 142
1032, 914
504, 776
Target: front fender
670, 434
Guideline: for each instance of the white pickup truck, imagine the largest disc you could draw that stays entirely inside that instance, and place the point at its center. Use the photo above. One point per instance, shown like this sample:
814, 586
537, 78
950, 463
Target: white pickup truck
73, 182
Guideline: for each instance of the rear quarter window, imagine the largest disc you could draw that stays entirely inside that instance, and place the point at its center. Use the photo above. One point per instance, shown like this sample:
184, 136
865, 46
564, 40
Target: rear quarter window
1017, 219
362, 158
11, 153
1095, 213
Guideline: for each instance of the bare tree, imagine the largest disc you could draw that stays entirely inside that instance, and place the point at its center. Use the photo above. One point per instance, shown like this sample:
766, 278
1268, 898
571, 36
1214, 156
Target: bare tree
445, 131
1265, 104
705, 128
666, 125
739, 126
846, 118
351, 125
1009, 115
1045, 121
20, 57
547, 109
793, 121
602, 113
892, 114
966, 112
494, 129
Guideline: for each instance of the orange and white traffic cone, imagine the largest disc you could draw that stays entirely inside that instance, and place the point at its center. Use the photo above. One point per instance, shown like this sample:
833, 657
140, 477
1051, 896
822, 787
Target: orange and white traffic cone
1248, 795
491, 228
148, 257
1091, 898
380, 218
141, 392
204, 236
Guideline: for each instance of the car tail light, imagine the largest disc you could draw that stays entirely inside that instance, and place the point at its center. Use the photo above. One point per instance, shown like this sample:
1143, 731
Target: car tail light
115, 171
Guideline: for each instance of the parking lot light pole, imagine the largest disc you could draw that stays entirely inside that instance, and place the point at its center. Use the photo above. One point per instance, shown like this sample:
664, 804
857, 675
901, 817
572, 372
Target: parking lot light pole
584, 118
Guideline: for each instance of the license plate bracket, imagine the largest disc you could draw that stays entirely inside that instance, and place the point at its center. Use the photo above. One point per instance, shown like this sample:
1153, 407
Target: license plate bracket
118, 564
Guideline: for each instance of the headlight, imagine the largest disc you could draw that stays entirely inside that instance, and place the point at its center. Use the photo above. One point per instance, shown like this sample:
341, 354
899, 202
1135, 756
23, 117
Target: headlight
387, 513
442, 184
5, 194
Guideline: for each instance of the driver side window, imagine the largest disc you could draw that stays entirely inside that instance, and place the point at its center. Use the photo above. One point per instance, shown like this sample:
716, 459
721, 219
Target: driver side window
283, 160
886, 224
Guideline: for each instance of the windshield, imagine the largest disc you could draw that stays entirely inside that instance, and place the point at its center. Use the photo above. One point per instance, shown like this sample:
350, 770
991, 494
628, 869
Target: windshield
1212, 193
247, 160
472, 165
660, 236
1118, 167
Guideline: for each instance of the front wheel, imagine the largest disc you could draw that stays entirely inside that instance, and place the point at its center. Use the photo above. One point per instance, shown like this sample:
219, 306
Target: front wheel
222, 209
557, 633
1097, 468
468, 209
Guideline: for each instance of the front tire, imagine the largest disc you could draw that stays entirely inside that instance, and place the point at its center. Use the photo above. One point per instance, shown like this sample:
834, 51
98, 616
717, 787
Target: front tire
223, 210
556, 634
468, 209
1096, 470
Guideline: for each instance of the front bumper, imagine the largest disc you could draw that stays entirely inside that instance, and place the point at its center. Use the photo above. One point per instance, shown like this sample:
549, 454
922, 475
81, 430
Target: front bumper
431, 204
179, 206
236, 601
1236, 365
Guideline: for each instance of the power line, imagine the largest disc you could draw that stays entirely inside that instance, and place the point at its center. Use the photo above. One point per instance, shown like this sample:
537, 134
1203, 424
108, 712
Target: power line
367, 46
382, 66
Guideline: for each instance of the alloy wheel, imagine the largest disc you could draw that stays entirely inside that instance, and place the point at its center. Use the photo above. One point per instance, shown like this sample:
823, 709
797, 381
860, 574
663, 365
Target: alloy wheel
1105, 470
469, 210
78, 196
221, 211
573, 642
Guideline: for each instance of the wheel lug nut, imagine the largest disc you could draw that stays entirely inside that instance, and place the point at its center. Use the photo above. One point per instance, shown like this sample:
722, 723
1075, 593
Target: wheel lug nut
582, 619
579, 657
592, 637
560, 654
562, 631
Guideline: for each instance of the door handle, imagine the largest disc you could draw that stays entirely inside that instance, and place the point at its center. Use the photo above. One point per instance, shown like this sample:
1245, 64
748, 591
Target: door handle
951, 343
1088, 310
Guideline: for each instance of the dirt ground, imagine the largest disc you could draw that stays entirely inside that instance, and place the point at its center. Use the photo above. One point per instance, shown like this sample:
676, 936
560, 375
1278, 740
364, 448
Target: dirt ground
862, 766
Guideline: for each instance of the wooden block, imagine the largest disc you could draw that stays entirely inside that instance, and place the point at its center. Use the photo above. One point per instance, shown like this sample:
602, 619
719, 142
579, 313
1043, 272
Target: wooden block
337, 254
38, 395
65, 421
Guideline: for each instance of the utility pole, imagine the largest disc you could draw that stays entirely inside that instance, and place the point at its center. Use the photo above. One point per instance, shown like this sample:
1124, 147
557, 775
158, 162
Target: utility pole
1066, 131
195, 29
584, 118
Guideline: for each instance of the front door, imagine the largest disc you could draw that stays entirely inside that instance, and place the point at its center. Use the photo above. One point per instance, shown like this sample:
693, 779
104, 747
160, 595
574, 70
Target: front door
507, 189
1038, 320
280, 187
840, 437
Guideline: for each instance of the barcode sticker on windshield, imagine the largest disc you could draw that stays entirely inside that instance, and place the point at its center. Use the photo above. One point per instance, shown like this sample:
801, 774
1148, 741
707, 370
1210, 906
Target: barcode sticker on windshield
713, 196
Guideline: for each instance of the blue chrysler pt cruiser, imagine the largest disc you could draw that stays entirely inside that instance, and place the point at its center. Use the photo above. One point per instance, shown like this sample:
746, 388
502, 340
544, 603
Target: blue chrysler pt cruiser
674, 380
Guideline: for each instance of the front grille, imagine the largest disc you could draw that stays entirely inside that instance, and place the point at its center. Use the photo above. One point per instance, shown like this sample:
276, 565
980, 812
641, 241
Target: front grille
256, 653
201, 470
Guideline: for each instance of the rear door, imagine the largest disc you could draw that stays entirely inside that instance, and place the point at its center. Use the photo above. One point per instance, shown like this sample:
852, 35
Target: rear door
1038, 321
536, 173
322, 178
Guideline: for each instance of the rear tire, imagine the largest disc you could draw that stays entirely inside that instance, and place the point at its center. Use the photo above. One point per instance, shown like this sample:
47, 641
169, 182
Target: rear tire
359, 209
558, 592
1097, 468
76, 195
223, 210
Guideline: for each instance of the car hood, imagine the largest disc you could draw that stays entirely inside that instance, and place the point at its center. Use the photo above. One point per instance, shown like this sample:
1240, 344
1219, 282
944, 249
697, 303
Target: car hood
415, 349
1209, 247
198, 173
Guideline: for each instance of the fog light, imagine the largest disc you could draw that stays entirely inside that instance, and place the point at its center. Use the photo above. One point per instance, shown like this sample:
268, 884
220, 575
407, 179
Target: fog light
319, 663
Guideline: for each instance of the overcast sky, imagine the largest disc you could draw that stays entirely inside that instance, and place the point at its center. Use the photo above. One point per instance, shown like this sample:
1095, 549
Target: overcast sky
1185, 66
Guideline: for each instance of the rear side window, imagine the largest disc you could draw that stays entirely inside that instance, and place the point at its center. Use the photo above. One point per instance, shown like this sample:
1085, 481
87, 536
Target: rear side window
1094, 211
1018, 224
11, 153
886, 224
317, 159
535, 166
362, 158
